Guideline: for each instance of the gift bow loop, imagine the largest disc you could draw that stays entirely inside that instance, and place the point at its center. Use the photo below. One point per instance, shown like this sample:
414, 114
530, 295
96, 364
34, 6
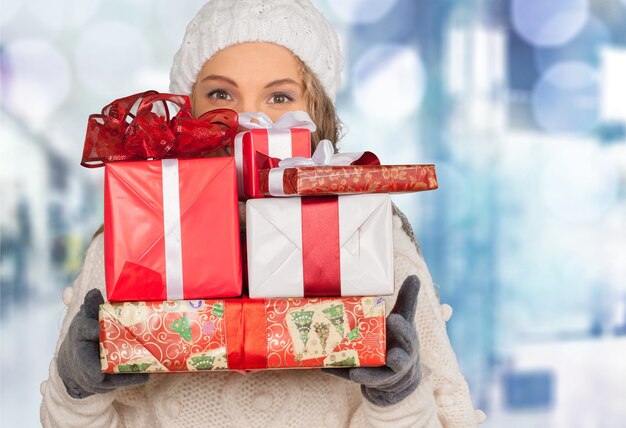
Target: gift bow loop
291, 119
143, 126
324, 155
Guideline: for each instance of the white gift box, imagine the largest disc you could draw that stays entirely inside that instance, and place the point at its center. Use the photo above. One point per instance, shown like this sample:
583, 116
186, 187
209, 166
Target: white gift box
361, 227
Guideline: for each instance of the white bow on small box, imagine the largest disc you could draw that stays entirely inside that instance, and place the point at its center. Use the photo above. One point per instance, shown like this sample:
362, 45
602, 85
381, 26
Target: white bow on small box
289, 136
324, 155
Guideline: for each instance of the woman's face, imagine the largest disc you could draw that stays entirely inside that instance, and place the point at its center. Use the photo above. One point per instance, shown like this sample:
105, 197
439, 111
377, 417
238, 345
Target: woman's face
250, 77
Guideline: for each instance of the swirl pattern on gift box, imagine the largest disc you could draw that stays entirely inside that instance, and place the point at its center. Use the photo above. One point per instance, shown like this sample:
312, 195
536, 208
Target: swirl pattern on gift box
162, 339
296, 333
321, 180
142, 126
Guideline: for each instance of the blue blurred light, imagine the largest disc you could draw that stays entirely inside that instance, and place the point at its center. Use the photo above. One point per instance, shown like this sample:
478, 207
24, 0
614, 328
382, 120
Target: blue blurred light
39, 78
529, 390
10, 10
584, 47
388, 81
457, 188
579, 185
172, 21
110, 56
58, 15
566, 98
361, 11
549, 23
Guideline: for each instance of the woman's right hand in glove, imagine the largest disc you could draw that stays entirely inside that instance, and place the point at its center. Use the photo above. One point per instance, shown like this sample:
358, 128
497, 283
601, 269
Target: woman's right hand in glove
78, 360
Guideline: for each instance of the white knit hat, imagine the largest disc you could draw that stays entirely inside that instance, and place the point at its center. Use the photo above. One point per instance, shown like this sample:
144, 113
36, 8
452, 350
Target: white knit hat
294, 24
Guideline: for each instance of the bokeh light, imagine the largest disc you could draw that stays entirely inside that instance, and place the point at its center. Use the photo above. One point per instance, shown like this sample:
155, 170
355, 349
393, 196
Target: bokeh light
388, 81
361, 11
173, 20
127, 52
62, 14
549, 23
38, 81
458, 188
579, 183
9, 10
613, 85
566, 98
584, 47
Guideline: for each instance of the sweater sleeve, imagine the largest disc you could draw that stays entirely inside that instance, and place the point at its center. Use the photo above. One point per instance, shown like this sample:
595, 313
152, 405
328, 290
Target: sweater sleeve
442, 398
417, 410
58, 409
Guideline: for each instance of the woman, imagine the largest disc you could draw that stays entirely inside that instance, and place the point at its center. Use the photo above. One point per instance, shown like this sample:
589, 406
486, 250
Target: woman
269, 56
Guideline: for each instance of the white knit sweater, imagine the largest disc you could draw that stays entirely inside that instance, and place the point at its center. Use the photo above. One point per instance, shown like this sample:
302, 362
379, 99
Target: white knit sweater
279, 398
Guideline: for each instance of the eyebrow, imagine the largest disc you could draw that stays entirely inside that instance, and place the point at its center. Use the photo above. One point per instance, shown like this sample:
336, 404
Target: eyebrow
281, 82
233, 83
222, 78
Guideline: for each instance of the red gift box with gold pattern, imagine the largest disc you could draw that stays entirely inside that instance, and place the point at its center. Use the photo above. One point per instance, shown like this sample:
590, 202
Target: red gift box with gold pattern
242, 334
338, 180
289, 136
330, 173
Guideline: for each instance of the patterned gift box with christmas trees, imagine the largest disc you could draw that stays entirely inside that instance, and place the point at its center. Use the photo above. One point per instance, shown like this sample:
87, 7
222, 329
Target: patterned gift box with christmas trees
242, 334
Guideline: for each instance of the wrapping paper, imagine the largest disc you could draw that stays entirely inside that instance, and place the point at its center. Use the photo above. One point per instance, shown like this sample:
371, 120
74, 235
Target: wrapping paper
171, 230
320, 246
252, 148
241, 334
336, 180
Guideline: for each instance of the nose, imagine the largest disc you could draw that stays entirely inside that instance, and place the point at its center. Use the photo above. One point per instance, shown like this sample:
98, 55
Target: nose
248, 105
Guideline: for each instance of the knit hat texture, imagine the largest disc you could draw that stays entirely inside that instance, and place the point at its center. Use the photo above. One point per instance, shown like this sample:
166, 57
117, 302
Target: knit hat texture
294, 24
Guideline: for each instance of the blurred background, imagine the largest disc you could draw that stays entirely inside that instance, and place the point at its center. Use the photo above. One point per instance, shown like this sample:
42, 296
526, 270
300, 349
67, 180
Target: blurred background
521, 104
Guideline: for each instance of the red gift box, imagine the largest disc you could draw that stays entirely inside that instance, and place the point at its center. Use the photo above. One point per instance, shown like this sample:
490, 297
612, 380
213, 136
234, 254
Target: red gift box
242, 334
343, 180
185, 248
329, 173
171, 225
289, 136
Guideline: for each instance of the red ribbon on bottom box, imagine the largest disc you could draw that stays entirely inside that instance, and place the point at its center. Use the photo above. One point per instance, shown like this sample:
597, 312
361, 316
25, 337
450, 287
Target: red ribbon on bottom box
245, 333
241, 334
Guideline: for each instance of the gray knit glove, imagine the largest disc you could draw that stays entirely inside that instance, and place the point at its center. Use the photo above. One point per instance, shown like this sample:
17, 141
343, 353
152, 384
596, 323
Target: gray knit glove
390, 384
78, 360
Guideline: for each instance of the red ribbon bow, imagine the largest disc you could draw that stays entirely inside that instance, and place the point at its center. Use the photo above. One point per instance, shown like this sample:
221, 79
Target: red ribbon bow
141, 126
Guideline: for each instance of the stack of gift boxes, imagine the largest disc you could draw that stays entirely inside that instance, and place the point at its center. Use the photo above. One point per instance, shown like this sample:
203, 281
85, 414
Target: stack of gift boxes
317, 259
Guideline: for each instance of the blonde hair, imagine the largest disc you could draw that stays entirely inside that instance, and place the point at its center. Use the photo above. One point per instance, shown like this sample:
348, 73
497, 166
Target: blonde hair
320, 107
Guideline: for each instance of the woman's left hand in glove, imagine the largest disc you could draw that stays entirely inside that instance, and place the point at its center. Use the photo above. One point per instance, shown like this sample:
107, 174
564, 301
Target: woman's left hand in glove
390, 384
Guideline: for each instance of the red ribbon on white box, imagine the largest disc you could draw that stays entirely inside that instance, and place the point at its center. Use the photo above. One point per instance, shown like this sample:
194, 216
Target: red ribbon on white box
278, 135
320, 246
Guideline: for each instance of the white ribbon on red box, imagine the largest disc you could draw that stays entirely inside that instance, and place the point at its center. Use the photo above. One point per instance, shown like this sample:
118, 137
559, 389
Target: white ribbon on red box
172, 230
278, 136
324, 155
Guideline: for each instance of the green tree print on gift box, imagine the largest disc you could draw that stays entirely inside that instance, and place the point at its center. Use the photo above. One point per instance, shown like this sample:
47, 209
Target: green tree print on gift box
346, 362
303, 320
133, 367
334, 314
218, 310
182, 327
322, 330
203, 362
